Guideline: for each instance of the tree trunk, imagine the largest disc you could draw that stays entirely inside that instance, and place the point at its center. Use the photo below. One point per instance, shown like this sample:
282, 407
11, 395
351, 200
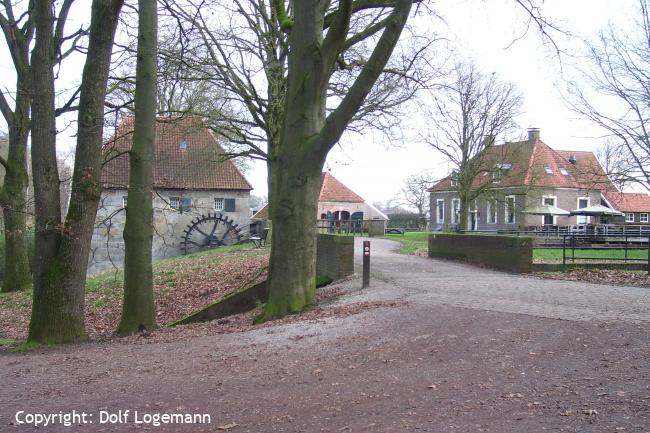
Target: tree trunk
295, 171
292, 269
138, 310
61, 256
18, 275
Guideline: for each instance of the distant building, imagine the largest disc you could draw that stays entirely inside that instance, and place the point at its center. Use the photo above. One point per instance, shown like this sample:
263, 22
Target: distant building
191, 179
337, 202
636, 206
521, 175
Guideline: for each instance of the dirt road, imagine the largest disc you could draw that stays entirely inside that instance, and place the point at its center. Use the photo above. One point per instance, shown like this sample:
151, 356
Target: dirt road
465, 349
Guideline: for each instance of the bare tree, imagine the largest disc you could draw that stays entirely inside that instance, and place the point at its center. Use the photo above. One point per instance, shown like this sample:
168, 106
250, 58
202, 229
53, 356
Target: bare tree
415, 192
613, 90
138, 309
61, 251
467, 115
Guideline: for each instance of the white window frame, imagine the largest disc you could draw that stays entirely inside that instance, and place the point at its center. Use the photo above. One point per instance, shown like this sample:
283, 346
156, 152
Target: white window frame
564, 171
583, 219
643, 217
218, 200
175, 202
440, 210
548, 170
125, 199
629, 217
506, 213
492, 212
455, 210
554, 197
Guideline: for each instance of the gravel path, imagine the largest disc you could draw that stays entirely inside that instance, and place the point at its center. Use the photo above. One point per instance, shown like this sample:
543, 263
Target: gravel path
466, 349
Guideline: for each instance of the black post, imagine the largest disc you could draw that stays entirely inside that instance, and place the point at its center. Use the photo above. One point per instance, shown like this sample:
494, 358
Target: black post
564, 253
366, 264
648, 255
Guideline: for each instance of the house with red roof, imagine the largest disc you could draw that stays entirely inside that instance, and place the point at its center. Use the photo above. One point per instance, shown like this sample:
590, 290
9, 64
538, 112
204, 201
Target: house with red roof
520, 175
636, 206
337, 202
191, 180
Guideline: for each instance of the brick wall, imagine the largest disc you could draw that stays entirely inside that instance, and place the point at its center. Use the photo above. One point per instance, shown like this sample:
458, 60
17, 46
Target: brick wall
335, 256
510, 253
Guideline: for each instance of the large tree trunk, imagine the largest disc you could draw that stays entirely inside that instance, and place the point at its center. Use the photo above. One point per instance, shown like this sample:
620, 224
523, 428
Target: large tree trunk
50, 312
61, 256
138, 310
18, 274
294, 171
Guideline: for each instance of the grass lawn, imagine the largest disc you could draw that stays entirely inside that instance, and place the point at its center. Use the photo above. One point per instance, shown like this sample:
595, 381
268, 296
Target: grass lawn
182, 285
412, 242
553, 255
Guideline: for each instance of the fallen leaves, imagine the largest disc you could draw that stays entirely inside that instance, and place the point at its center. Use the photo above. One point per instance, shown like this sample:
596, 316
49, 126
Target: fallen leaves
602, 276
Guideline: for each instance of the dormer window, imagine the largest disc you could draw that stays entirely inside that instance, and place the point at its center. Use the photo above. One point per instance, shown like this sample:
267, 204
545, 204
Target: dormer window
548, 170
183, 145
564, 171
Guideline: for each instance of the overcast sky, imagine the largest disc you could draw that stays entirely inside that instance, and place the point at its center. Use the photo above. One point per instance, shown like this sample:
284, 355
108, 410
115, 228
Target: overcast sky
482, 31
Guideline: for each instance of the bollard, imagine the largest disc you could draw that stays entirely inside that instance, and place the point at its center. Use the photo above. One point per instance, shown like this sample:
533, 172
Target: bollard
366, 264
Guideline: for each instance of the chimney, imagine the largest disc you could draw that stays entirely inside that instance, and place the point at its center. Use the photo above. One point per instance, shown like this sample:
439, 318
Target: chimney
533, 134
489, 140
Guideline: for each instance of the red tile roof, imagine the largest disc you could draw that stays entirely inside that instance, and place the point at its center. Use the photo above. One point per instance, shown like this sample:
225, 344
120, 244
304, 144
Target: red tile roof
529, 160
629, 201
186, 157
332, 189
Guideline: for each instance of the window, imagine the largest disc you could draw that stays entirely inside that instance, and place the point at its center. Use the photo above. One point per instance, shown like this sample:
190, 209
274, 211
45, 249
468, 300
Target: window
491, 212
510, 209
124, 200
564, 171
629, 217
583, 202
548, 169
183, 145
183, 204
218, 204
548, 200
440, 211
643, 217
455, 210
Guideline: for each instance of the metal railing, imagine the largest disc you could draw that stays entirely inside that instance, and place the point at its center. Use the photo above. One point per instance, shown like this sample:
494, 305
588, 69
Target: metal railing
623, 248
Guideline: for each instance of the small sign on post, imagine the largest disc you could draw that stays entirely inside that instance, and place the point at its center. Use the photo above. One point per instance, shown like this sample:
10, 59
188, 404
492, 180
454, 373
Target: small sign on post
366, 264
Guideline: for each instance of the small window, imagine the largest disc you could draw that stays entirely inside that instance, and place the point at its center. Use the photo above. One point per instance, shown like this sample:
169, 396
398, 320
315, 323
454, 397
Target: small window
643, 218
583, 202
504, 166
182, 204
629, 217
564, 171
492, 212
218, 204
440, 211
510, 209
183, 145
124, 200
548, 169
455, 211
